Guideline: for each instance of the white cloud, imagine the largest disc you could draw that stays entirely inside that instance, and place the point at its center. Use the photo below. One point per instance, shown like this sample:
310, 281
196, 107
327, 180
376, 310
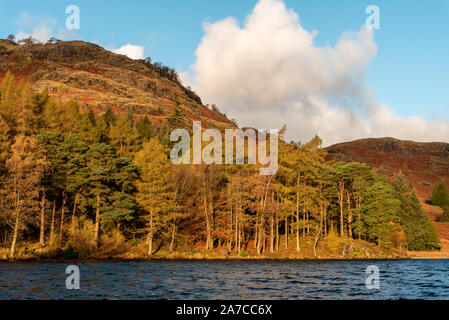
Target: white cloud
25, 20
269, 72
41, 33
131, 51
41, 28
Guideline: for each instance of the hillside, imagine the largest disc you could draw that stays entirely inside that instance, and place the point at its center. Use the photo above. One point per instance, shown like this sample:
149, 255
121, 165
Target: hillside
424, 163
99, 79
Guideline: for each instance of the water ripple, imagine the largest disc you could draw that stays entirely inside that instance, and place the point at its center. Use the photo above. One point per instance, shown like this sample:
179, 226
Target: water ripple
256, 280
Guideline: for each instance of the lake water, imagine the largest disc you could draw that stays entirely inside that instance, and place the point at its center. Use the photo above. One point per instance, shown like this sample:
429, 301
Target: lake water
404, 279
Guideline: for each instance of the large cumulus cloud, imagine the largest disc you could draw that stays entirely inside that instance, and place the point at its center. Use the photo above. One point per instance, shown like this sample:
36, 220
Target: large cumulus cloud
268, 72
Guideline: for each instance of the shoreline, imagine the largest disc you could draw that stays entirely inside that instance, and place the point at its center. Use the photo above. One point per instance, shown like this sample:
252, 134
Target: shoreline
329, 250
441, 254
410, 255
113, 260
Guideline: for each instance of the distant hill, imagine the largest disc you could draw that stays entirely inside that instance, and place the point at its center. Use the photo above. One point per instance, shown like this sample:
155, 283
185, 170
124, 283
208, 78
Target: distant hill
424, 163
99, 79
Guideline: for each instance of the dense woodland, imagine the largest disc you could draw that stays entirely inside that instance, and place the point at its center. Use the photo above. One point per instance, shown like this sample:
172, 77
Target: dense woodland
75, 181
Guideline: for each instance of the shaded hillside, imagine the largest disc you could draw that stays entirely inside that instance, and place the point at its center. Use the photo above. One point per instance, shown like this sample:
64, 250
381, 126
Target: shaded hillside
99, 79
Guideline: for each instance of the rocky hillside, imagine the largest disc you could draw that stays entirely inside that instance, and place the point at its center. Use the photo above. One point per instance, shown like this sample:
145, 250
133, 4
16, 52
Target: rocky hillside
99, 79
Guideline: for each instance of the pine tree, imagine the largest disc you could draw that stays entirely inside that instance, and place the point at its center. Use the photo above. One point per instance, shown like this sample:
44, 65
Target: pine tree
444, 217
440, 195
5, 143
420, 233
144, 129
154, 190
110, 181
123, 135
68, 171
379, 211
23, 183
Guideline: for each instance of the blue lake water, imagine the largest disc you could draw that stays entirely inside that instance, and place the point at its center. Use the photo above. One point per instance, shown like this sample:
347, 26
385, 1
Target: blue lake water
403, 279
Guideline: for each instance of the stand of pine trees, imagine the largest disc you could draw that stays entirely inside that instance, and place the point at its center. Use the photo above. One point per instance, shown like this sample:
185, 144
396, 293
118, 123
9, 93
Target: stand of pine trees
90, 183
440, 198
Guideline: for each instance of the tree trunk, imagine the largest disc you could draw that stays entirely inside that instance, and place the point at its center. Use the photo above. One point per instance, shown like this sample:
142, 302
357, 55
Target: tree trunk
318, 235
307, 222
264, 242
348, 200
297, 213
172, 242
61, 226
236, 234
42, 229
292, 224
325, 220
286, 232
150, 236
271, 233
16, 232
297, 232
304, 222
209, 244
277, 231
256, 233
359, 223
97, 220
239, 245
341, 188
262, 221
75, 201
52, 226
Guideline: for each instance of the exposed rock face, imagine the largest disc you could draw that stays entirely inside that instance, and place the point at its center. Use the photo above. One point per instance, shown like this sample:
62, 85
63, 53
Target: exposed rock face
100, 79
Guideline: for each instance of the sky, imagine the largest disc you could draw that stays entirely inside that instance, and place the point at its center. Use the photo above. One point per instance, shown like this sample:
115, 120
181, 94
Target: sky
312, 65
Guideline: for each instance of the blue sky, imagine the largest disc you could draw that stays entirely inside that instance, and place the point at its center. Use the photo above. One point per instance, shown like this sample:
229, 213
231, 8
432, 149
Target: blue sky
410, 72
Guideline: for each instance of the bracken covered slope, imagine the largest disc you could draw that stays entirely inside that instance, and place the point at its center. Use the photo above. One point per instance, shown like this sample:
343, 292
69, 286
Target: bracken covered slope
99, 79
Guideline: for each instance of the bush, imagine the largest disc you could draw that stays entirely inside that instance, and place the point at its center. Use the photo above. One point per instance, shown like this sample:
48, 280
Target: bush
82, 236
243, 254
70, 253
397, 236
112, 243
445, 216
333, 241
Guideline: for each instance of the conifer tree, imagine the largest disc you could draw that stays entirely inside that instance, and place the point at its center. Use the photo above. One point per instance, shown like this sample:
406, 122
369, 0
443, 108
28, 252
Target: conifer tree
381, 208
420, 233
21, 188
123, 135
440, 195
154, 191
